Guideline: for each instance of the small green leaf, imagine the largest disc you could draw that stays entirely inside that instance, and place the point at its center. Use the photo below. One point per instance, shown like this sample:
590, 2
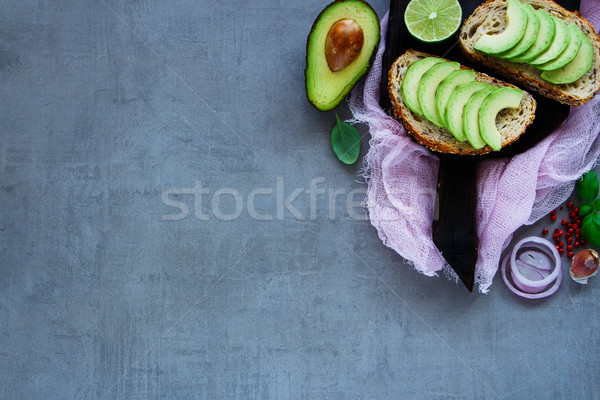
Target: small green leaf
586, 227
597, 205
590, 229
585, 209
587, 187
345, 141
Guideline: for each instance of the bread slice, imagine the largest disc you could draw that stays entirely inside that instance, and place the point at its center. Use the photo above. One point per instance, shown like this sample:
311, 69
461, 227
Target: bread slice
490, 18
511, 122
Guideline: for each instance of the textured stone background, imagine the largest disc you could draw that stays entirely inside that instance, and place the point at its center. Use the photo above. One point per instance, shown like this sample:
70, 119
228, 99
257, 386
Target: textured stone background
105, 107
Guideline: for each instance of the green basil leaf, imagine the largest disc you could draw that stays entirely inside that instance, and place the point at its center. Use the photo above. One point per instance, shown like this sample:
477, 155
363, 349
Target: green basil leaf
345, 141
597, 205
586, 227
585, 209
590, 229
587, 187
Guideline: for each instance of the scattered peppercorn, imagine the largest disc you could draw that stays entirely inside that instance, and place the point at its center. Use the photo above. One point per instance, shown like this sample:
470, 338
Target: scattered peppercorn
571, 230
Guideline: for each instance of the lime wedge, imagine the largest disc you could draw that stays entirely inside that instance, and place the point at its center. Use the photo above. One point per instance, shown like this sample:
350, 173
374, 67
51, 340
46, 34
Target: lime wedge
432, 20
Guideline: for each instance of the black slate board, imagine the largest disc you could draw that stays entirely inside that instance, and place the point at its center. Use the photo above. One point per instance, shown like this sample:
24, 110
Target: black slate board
454, 231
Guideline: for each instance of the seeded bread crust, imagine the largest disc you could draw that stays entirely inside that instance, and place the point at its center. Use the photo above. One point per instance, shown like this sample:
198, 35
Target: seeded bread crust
490, 18
511, 122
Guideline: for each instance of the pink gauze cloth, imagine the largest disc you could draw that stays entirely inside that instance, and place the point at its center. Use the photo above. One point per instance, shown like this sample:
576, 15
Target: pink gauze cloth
402, 177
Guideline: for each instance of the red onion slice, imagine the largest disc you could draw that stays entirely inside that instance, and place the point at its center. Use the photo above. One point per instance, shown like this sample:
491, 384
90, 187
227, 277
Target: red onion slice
530, 272
535, 268
549, 290
537, 259
524, 287
543, 245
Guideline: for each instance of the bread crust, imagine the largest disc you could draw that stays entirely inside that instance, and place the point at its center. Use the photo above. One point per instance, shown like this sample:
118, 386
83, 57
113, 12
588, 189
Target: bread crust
527, 75
417, 128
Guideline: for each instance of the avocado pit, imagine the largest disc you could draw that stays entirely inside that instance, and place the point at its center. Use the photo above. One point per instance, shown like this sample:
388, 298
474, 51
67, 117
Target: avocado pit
343, 44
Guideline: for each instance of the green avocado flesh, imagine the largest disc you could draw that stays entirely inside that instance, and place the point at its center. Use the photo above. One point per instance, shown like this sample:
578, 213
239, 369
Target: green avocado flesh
325, 88
528, 39
559, 44
428, 89
454, 80
560, 50
456, 105
574, 70
516, 18
411, 81
568, 53
451, 98
471, 117
500, 99
544, 38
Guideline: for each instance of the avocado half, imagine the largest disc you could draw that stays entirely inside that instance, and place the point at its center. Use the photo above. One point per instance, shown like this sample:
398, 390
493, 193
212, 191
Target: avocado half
340, 48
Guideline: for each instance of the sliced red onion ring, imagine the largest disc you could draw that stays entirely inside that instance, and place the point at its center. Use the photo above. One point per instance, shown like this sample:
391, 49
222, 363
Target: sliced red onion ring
529, 271
549, 290
533, 258
541, 260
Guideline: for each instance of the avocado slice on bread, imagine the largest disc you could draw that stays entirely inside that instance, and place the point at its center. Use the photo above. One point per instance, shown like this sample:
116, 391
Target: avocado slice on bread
563, 63
452, 90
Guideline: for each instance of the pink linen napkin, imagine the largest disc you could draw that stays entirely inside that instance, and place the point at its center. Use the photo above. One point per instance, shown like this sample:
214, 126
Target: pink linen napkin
402, 177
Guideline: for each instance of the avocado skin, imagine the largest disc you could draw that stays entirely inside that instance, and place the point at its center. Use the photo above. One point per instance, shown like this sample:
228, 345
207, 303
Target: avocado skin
347, 86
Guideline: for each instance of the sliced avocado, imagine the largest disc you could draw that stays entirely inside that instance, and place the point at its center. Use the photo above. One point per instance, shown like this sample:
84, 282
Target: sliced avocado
339, 51
544, 38
530, 35
455, 108
502, 98
516, 22
428, 88
559, 44
574, 70
412, 79
471, 117
452, 81
568, 53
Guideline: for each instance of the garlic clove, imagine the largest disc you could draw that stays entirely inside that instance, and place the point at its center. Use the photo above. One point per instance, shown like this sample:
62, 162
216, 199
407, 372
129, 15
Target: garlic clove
584, 265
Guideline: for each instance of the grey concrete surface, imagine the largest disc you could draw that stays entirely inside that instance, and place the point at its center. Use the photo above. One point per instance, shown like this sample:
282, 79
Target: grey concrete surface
118, 282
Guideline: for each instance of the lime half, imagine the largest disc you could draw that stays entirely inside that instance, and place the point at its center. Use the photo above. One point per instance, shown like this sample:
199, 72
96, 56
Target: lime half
433, 20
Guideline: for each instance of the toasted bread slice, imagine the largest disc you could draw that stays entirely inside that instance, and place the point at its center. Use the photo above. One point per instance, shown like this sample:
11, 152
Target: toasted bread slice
511, 123
490, 18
